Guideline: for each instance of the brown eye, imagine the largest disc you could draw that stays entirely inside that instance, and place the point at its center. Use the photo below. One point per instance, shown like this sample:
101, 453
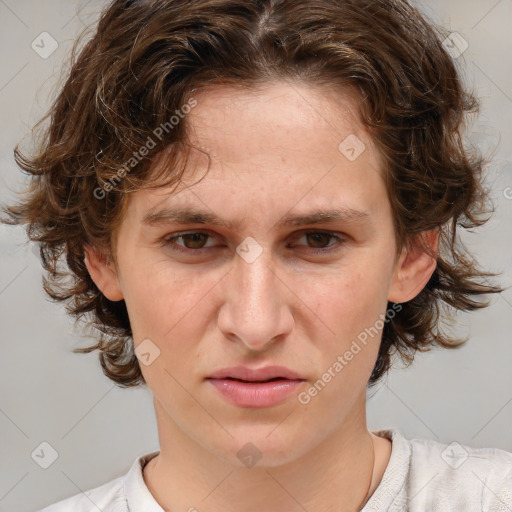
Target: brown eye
192, 242
196, 240
319, 239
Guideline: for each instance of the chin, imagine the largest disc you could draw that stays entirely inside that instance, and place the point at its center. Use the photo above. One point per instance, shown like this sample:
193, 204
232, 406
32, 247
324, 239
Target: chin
262, 447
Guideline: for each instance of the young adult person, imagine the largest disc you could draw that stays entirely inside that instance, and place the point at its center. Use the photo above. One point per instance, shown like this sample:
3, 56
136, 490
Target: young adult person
258, 202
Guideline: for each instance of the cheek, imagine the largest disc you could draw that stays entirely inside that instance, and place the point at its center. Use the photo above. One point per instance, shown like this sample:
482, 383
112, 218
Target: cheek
348, 299
169, 305
164, 306
351, 306
165, 302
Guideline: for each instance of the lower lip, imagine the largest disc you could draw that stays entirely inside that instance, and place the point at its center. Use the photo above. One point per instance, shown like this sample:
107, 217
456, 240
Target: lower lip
261, 394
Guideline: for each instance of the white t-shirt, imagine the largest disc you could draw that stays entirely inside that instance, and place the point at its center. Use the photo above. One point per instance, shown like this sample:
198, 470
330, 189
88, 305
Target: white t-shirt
421, 476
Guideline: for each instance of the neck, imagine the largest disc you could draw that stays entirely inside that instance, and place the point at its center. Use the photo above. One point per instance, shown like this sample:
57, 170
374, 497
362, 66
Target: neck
340, 474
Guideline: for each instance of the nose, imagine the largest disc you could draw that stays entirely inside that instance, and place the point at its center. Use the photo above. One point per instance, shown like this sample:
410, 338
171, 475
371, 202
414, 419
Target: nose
256, 310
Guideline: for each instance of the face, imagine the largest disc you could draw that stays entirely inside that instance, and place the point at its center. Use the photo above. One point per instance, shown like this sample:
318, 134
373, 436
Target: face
258, 288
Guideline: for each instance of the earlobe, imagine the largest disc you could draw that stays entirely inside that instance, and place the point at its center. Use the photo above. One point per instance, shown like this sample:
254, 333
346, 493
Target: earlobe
103, 272
414, 268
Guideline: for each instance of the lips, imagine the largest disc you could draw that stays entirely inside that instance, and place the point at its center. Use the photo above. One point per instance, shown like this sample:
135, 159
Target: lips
256, 388
255, 381
265, 374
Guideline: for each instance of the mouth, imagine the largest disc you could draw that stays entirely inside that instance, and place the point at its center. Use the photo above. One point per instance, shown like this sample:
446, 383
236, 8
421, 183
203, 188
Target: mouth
265, 374
274, 379
261, 388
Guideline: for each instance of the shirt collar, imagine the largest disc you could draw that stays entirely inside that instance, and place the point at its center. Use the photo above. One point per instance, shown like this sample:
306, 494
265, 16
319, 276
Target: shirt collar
136, 491
395, 474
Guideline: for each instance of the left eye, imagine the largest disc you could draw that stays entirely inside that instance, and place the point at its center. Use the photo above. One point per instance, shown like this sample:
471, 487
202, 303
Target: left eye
318, 236
194, 242
197, 238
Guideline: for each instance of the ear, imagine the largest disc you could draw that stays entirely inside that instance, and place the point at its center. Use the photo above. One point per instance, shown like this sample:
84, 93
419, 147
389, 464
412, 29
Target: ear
103, 272
414, 268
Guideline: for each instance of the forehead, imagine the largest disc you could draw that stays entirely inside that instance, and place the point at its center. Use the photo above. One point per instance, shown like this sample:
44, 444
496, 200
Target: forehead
275, 117
273, 148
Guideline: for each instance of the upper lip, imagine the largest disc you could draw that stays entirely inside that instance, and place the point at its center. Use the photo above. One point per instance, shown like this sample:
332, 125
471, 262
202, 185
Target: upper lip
261, 374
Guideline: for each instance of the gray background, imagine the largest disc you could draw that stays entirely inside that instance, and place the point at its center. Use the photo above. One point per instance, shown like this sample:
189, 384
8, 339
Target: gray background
50, 394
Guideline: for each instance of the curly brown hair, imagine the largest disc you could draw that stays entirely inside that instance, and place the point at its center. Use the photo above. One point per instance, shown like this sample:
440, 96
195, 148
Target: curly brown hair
144, 63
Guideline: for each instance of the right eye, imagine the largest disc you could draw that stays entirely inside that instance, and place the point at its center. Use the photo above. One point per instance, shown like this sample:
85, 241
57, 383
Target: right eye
191, 239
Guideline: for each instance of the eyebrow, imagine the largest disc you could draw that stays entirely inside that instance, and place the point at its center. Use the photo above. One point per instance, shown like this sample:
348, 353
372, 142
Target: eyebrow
187, 215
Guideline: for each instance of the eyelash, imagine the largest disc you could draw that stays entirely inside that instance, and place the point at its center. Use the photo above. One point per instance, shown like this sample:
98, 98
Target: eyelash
170, 242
